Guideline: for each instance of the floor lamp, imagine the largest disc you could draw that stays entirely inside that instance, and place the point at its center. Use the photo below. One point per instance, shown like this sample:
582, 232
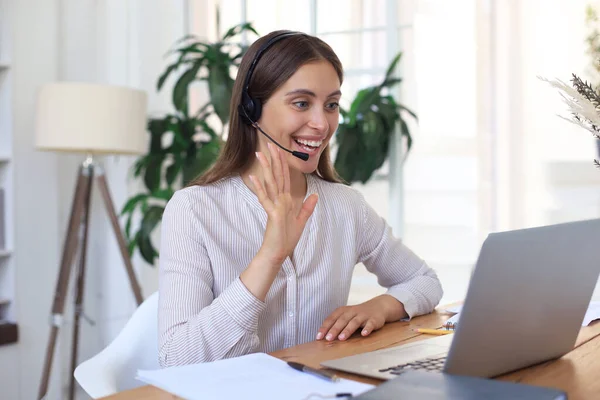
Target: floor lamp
93, 120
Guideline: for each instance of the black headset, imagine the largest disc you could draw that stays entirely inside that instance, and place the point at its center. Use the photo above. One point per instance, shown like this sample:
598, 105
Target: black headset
250, 108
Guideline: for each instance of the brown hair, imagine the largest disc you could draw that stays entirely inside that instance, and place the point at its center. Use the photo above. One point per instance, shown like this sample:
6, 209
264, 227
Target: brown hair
274, 68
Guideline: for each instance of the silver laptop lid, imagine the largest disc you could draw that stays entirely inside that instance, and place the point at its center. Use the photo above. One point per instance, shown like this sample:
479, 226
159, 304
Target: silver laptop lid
526, 299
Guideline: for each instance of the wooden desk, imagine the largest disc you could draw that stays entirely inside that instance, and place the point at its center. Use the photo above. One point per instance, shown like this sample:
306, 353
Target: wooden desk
576, 373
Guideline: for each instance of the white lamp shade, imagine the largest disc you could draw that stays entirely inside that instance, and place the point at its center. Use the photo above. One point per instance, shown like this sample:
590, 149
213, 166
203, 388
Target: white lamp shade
91, 118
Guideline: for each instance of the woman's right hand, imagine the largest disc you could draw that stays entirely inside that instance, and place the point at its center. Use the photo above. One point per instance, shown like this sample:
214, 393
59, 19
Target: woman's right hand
284, 225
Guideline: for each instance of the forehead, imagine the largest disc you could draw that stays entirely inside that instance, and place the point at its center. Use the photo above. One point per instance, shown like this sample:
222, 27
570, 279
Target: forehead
319, 77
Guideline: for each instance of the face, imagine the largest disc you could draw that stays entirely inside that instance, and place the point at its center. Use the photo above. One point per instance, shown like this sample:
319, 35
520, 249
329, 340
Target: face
303, 113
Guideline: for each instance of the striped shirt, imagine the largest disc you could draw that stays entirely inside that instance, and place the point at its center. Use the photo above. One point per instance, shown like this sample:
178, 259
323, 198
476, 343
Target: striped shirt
210, 234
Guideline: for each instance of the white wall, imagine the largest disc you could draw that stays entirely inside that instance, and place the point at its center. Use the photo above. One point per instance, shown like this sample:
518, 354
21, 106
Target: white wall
113, 42
34, 61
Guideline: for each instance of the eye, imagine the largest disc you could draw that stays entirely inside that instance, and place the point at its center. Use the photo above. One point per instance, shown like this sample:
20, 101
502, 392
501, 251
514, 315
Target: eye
301, 104
333, 105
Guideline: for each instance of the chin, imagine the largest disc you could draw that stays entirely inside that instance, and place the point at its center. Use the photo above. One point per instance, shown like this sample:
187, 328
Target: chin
306, 167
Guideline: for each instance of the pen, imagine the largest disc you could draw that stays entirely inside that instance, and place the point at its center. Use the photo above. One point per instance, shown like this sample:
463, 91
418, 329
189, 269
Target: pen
317, 372
434, 331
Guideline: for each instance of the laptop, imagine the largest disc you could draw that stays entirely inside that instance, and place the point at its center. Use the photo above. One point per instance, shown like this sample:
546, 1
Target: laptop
525, 304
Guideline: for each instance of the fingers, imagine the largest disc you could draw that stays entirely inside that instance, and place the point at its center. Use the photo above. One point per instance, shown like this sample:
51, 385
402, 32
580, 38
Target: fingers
344, 321
276, 166
352, 326
270, 184
369, 327
263, 198
328, 323
307, 208
339, 325
286, 173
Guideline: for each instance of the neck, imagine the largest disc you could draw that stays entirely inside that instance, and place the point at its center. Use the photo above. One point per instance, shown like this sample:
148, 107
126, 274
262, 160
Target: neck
298, 184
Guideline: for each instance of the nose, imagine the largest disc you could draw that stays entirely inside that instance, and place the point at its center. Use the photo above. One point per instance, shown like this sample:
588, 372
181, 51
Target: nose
318, 121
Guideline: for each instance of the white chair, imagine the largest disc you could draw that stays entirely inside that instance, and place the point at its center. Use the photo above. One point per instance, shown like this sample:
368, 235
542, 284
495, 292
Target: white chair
136, 347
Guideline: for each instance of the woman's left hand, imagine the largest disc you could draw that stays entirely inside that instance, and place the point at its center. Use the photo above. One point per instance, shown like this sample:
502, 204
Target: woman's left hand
369, 316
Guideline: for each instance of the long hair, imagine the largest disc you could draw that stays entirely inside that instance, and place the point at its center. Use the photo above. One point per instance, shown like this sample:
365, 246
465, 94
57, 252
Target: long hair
274, 68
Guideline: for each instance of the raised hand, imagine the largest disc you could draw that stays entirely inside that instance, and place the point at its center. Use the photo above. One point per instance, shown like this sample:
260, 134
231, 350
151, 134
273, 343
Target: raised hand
284, 225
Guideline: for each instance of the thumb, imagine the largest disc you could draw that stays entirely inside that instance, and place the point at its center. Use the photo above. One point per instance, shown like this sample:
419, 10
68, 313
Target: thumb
307, 208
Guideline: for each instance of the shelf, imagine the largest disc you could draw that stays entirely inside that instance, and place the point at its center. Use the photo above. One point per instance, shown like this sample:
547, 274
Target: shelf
5, 253
4, 159
4, 301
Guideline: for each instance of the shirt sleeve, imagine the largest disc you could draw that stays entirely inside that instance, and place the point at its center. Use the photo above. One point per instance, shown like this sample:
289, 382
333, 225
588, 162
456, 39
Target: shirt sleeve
194, 326
406, 276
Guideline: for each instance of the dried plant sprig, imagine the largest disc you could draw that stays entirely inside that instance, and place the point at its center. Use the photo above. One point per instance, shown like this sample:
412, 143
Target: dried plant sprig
584, 112
586, 90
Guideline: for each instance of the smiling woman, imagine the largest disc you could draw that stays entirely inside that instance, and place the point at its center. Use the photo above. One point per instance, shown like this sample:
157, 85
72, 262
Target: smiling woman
258, 253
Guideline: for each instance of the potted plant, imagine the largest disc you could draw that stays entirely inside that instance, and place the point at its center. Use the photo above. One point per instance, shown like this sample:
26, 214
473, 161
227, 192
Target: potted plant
183, 144
368, 126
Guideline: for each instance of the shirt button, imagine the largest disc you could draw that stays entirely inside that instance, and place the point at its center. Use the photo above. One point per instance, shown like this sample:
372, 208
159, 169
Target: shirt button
289, 278
291, 314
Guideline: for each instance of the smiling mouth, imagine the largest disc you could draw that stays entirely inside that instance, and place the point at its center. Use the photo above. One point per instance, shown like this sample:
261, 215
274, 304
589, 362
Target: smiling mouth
309, 146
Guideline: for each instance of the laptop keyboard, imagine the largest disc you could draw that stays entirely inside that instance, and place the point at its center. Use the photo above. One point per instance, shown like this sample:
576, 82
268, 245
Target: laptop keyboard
435, 363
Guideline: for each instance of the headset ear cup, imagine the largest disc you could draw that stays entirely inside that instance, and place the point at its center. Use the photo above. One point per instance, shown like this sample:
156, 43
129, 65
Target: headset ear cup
249, 109
257, 109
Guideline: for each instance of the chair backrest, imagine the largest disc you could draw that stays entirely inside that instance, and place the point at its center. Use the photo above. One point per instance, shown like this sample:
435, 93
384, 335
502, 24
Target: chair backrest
136, 347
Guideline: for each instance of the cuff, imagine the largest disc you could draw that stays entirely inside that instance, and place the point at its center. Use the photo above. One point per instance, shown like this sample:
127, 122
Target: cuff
241, 305
405, 297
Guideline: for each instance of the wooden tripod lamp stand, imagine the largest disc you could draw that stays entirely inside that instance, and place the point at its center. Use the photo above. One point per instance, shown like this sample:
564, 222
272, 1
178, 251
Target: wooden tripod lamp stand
93, 120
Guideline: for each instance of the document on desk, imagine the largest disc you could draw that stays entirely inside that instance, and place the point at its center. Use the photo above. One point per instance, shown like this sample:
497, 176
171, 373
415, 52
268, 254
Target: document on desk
592, 313
253, 376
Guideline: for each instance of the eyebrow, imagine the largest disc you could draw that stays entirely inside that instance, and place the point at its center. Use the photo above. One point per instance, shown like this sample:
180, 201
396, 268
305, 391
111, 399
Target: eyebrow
311, 93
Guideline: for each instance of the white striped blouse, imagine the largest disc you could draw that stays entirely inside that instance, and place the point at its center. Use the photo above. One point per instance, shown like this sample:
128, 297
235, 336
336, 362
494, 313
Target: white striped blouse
210, 234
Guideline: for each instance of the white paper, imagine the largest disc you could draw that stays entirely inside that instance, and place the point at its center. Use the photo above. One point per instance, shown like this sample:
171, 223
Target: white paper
455, 309
253, 376
453, 319
592, 314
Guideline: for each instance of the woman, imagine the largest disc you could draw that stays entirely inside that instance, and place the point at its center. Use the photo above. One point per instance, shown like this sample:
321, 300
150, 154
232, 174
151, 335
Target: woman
257, 254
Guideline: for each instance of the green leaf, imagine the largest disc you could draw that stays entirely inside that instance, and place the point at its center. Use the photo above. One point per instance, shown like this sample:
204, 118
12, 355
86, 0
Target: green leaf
412, 113
206, 128
163, 194
220, 86
150, 220
128, 228
196, 47
131, 203
153, 172
237, 29
180, 91
348, 143
132, 244
392, 66
157, 128
146, 249
183, 39
204, 157
140, 165
361, 104
172, 172
406, 132
165, 75
388, 83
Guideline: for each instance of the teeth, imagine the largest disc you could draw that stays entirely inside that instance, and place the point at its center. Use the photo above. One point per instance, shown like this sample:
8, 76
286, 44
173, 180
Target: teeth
311, 143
